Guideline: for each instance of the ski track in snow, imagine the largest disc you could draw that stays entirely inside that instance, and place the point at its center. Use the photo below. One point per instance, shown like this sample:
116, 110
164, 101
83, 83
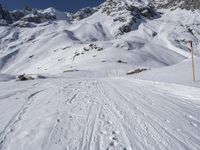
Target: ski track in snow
16, 118
104, 114
81, 97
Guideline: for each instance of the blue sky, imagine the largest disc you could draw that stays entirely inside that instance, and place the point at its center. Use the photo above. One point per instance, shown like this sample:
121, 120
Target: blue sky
66, 5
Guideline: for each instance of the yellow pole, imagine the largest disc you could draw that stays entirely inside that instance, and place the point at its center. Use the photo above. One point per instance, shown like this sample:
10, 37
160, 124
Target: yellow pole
193, 66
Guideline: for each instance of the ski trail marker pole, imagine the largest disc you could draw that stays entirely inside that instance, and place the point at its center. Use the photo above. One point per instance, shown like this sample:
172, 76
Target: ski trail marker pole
193, 66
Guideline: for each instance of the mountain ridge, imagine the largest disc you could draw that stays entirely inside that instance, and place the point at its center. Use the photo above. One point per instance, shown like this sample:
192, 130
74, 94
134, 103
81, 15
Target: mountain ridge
31, 15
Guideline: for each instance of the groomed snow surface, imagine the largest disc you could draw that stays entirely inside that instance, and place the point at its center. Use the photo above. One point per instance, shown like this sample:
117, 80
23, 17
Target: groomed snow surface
105, 113
82, 99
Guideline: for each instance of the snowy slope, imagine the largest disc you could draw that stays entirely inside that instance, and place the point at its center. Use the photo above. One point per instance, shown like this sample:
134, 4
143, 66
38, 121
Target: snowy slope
82, 97
100, 113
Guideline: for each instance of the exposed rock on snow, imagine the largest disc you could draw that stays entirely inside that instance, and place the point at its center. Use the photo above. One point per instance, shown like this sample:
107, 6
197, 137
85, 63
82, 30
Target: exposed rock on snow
83, 13
184, 4
23, 18
136, 71
24, 77
37, 17
130, 14
5, 17
24, 24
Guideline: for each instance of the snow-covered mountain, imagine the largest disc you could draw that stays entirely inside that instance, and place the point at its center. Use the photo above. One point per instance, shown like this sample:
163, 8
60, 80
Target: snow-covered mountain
55, 41
114, 77
29, 16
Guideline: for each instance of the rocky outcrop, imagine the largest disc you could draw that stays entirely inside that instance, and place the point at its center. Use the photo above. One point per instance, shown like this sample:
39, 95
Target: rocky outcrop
128, 15
24, 24
114, 7
17, 15
184, 4
25, 17
5, 17
37, 17
83, 13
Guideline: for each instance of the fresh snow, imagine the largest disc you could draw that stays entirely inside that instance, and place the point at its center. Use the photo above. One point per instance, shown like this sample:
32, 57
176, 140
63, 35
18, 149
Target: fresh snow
81, 97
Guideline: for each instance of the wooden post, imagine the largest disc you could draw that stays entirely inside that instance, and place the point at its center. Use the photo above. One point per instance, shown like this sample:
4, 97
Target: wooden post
193, 66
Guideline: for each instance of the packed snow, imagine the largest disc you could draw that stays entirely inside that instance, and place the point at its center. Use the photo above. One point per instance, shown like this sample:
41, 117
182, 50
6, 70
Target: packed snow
84, 85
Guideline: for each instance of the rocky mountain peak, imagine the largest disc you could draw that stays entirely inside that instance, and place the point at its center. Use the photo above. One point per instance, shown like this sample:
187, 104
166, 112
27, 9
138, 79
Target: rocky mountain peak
83, 13
140, 7
5, 17
28, 16
128, 13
